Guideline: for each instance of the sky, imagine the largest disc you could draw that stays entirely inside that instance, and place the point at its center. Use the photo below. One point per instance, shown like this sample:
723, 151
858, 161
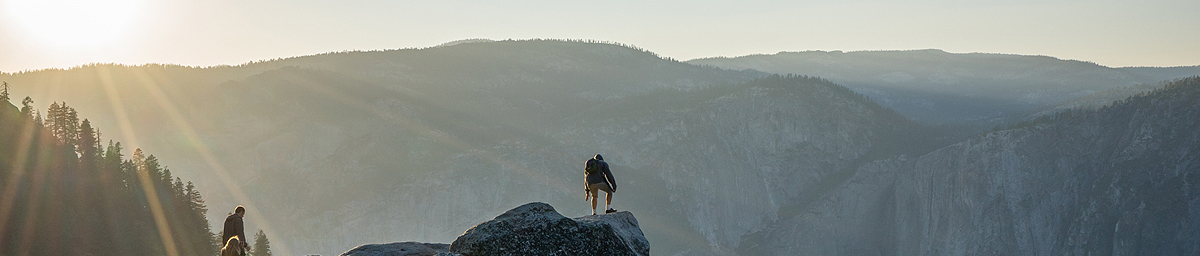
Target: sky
39, 34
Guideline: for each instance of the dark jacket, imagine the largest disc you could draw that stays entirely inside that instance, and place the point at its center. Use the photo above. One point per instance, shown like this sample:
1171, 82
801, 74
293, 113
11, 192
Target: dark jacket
233, 227
604, 175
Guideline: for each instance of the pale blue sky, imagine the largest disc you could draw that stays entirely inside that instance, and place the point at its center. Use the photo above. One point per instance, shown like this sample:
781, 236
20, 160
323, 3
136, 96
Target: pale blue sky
216, 32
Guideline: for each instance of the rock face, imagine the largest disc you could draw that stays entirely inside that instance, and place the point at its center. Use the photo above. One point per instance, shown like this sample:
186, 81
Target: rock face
1116, 181
399, 249
537, 229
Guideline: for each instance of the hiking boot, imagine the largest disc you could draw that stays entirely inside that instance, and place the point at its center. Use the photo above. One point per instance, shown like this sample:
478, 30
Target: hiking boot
610, 211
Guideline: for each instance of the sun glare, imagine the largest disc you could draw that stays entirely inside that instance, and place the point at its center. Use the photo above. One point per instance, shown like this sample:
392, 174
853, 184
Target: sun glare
75, 23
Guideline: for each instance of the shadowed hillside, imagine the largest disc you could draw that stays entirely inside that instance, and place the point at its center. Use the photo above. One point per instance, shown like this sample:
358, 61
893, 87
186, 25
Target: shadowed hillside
1117, 180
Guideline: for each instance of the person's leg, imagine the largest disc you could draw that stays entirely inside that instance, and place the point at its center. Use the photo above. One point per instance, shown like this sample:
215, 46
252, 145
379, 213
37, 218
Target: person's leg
608, 198
608, 201
594, 194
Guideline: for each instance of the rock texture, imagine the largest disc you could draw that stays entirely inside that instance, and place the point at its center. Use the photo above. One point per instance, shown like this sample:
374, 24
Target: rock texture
537, 229
399, 249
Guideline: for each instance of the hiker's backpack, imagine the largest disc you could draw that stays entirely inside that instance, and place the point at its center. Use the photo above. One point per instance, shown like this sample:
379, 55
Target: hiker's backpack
591, 166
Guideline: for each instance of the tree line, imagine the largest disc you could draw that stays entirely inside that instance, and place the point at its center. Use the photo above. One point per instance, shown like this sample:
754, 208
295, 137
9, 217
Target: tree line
65, 192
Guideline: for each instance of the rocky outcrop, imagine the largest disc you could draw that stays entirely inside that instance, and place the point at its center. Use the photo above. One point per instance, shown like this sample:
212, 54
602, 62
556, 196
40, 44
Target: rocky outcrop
532, 229
537, 229
399, 249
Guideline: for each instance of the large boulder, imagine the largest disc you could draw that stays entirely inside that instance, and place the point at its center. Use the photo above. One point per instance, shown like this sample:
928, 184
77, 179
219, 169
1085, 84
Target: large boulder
537, 229
398, 249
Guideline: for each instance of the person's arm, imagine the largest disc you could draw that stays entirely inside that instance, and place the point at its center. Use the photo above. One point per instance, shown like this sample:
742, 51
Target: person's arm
241, 232
608, 176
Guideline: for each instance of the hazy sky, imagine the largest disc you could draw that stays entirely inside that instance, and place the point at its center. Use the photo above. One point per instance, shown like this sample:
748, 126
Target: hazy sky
36, 34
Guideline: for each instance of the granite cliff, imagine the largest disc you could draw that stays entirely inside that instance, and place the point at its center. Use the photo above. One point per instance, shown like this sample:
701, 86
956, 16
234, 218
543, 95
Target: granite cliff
1118, 180
532, 229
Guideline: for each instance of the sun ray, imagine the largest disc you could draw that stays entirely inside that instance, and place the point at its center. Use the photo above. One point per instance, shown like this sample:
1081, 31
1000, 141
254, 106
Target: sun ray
193, 138
160, 219
31, 215
8, 197
454, 141
147, 81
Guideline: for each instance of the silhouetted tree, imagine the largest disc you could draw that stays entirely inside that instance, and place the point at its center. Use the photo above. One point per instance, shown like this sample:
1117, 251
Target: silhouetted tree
87, 147
4, 92
262, 247
27, 107
74, 197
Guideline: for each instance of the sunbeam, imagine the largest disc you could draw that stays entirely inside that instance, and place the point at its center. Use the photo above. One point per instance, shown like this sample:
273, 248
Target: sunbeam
160, 219
32, 216
176, 118
452, 140
8, 198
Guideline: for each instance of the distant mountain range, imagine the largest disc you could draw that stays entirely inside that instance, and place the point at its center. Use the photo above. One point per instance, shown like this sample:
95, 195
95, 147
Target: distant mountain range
341, 149
937, 87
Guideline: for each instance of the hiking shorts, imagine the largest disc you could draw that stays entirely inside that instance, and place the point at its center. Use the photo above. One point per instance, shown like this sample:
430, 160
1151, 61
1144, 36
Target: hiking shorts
599, 186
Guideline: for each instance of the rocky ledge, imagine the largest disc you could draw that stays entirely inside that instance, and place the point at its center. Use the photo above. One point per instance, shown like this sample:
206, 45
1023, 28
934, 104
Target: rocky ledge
532, 229
399, 249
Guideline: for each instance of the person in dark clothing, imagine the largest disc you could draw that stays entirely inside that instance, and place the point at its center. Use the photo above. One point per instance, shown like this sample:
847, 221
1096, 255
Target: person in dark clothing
599, 177
234, 227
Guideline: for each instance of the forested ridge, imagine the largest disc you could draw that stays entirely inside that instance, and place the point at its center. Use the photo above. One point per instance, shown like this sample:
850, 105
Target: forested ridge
341, 149
66, 192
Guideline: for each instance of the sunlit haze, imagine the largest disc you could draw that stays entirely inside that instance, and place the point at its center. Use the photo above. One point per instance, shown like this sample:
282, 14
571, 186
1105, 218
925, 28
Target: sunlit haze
66, 33
68, 24
766, 127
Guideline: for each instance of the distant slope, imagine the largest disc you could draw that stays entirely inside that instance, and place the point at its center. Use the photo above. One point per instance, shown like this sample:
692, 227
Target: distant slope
342, 149
1164, 72
438, 151
1099, 99
934, 86
688, 159
1118, 180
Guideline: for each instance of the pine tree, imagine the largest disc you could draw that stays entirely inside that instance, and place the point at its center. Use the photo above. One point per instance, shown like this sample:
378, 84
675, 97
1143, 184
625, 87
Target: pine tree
27, 107
54, 120
63, 122
70, 125
99, 207
4, 92
205, 239
88, 144
262, 247
111, 165
138, 158
37, 118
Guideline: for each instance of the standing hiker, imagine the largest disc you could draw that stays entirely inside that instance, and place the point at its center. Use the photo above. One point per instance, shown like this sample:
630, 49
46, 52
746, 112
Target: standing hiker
233, 227
598, 177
